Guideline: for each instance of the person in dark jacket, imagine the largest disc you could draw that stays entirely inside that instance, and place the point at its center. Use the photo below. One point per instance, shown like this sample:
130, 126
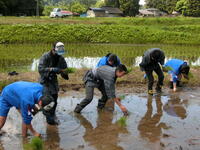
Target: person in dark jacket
151, 61
110, 60
176, 69
28, 99
104, 79
51, 64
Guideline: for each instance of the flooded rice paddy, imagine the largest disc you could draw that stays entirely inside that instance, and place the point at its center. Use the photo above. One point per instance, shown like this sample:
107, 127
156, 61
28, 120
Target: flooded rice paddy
24, 57
162, 122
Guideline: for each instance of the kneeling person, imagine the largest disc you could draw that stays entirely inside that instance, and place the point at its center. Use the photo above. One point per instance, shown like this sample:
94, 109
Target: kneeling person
177, 69
28, 99
104, 79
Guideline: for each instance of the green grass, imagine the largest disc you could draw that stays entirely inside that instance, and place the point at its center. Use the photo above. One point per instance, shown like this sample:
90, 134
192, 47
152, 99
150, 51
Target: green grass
35, 144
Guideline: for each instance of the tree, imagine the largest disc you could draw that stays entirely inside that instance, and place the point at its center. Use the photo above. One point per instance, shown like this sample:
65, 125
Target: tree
129, 7
100, 3
164, 5
78, 8
14, 7
189, 7
113, 3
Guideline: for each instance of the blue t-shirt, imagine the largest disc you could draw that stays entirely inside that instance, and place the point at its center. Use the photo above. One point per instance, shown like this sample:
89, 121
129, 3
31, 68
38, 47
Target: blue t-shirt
104, 61
22, 95
175, 65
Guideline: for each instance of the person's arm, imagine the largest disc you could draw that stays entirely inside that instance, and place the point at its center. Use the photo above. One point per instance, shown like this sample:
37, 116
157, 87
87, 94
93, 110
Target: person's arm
110, 91
174, 79
145, 62
63, 66
26, 120
26, 127
122, 107
43, 65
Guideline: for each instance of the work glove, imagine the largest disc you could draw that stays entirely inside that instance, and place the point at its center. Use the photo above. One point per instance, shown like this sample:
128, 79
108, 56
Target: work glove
64, 75
56, 70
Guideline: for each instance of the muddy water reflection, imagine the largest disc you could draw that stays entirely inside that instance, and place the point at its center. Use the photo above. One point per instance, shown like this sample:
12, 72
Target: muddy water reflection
154, 123
150, 126
105, 136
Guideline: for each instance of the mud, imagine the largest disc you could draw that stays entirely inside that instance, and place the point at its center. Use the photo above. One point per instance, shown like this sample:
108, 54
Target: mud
169, 121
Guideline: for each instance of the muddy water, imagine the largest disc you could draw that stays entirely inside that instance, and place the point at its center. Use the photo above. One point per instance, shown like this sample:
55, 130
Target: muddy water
168, 121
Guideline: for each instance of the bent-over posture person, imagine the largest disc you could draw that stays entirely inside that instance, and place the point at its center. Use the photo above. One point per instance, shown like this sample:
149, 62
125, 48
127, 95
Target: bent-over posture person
104, 79
28, 99
110, 60
177, 69
151, 61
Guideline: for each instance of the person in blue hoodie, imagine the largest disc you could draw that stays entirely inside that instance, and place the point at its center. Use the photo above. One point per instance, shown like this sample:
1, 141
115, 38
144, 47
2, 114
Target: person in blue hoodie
176, 69
110, 60
28, 99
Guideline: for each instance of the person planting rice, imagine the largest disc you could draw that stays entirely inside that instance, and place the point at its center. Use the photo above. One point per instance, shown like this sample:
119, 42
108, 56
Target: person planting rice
176, 69
51, 64
151, 61
104, 79
110, 60
28, 99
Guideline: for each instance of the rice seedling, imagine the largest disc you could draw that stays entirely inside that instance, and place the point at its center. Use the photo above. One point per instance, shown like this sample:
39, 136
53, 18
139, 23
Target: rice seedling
35, 144
122, 121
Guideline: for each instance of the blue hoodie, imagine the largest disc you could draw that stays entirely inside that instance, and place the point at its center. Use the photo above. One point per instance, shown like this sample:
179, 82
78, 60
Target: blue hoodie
175, 64
22, 95
104, 61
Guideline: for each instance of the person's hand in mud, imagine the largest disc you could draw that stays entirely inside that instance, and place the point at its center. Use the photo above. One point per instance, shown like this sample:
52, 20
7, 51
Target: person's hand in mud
123, 108
37, 134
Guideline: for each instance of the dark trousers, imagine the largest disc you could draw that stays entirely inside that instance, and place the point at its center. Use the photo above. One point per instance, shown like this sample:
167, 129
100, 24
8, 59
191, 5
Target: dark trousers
89, 90
51, 113
150, 77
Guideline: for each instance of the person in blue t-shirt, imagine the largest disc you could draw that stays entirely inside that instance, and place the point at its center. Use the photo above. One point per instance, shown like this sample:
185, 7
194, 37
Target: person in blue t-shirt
28, 99
110, 60
176, 69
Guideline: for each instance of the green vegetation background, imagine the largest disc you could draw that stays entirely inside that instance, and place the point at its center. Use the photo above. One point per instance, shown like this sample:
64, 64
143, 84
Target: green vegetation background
100, 30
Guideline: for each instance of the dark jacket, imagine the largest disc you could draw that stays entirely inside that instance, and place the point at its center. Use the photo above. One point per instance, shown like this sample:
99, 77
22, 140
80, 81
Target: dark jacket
150, 60
49, 78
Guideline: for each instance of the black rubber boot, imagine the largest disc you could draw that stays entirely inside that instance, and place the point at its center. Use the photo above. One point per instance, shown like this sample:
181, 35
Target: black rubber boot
171, 86
159, 89
101, 105
78, 108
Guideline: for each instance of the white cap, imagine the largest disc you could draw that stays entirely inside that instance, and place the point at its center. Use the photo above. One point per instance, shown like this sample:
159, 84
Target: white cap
59, 44
59, 48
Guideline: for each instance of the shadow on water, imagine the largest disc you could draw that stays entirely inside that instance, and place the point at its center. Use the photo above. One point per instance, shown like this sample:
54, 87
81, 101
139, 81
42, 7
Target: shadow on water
150, 126
155, 122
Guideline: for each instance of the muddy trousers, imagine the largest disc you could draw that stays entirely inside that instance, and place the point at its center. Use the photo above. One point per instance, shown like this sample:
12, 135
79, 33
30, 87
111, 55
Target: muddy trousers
150, 77
89, 96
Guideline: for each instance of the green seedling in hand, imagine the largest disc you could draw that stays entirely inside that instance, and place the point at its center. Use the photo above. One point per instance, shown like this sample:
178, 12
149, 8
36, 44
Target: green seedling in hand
70, 70
129, 70
122, 97
122, 121
35, 144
